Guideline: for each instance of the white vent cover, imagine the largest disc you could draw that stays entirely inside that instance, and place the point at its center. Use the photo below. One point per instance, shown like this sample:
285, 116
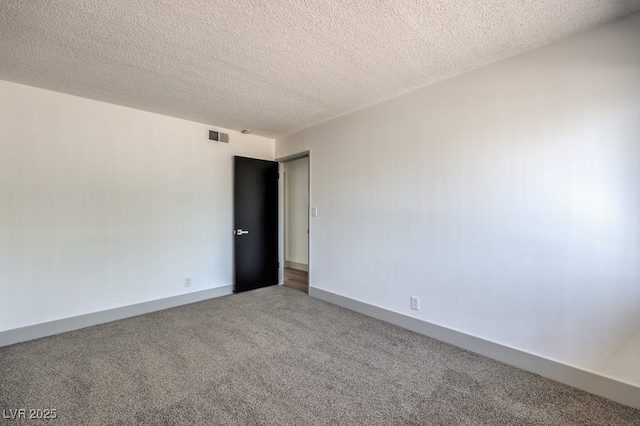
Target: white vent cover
218, 136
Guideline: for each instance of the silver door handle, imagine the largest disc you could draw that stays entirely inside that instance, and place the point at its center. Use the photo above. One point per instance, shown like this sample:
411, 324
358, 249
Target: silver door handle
239, 232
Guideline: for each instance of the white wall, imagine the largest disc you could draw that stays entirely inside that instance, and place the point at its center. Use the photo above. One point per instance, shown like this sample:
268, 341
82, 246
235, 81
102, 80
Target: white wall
103, 206
297, 210
507, 199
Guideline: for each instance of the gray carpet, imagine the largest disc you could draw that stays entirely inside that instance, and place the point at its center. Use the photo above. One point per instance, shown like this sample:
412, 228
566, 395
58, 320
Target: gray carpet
277, 356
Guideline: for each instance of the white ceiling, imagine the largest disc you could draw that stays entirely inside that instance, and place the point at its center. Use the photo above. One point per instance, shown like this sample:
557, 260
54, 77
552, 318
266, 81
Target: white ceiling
274, 66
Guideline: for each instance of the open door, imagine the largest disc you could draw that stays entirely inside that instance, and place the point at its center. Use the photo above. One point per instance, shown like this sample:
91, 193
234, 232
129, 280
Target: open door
255, 218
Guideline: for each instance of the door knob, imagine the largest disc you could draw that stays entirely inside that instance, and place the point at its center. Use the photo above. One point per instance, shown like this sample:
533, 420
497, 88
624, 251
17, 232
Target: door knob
240, 232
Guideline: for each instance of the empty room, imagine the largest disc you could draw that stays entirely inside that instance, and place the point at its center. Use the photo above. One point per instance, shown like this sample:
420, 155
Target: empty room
334, 212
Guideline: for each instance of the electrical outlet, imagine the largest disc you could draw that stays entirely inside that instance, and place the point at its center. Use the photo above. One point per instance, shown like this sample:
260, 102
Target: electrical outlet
187, 282
314, 211
415, 303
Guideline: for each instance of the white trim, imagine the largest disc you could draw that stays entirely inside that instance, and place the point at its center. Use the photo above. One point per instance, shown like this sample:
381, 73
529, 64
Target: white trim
293, 157
623, 393
17, 335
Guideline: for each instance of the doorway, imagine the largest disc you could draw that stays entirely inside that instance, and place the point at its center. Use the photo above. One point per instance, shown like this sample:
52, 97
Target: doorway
296, 229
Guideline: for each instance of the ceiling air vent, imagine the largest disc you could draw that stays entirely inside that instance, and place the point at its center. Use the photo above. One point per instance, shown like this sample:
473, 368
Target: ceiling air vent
218, 136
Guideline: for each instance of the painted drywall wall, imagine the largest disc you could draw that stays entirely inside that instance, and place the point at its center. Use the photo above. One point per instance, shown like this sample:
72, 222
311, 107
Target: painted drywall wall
297, 211
103, 206
507, 199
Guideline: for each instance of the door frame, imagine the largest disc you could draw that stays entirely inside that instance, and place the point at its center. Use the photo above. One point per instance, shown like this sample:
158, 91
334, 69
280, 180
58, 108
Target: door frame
281, 214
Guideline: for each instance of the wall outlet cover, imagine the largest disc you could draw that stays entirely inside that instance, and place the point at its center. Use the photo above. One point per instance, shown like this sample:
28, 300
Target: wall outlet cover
415, 303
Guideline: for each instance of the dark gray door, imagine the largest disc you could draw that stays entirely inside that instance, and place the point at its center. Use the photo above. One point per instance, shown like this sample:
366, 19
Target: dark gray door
255, 218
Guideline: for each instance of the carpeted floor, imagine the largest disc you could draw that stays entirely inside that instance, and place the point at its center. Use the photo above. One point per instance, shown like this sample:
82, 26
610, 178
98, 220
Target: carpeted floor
277, 356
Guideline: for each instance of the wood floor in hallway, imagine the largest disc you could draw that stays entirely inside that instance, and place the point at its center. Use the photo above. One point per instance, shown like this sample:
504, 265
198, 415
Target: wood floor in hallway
297, 279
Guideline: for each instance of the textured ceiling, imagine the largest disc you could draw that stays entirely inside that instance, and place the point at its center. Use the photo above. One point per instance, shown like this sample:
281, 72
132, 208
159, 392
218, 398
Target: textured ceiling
273, 66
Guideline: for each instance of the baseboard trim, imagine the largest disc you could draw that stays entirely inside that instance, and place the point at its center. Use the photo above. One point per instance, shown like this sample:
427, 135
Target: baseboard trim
614, 390
22, 334
296, 265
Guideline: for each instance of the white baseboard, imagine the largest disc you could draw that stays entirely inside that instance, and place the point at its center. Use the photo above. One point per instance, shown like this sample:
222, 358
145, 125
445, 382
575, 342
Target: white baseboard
296, 265
22, 334
614, 390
